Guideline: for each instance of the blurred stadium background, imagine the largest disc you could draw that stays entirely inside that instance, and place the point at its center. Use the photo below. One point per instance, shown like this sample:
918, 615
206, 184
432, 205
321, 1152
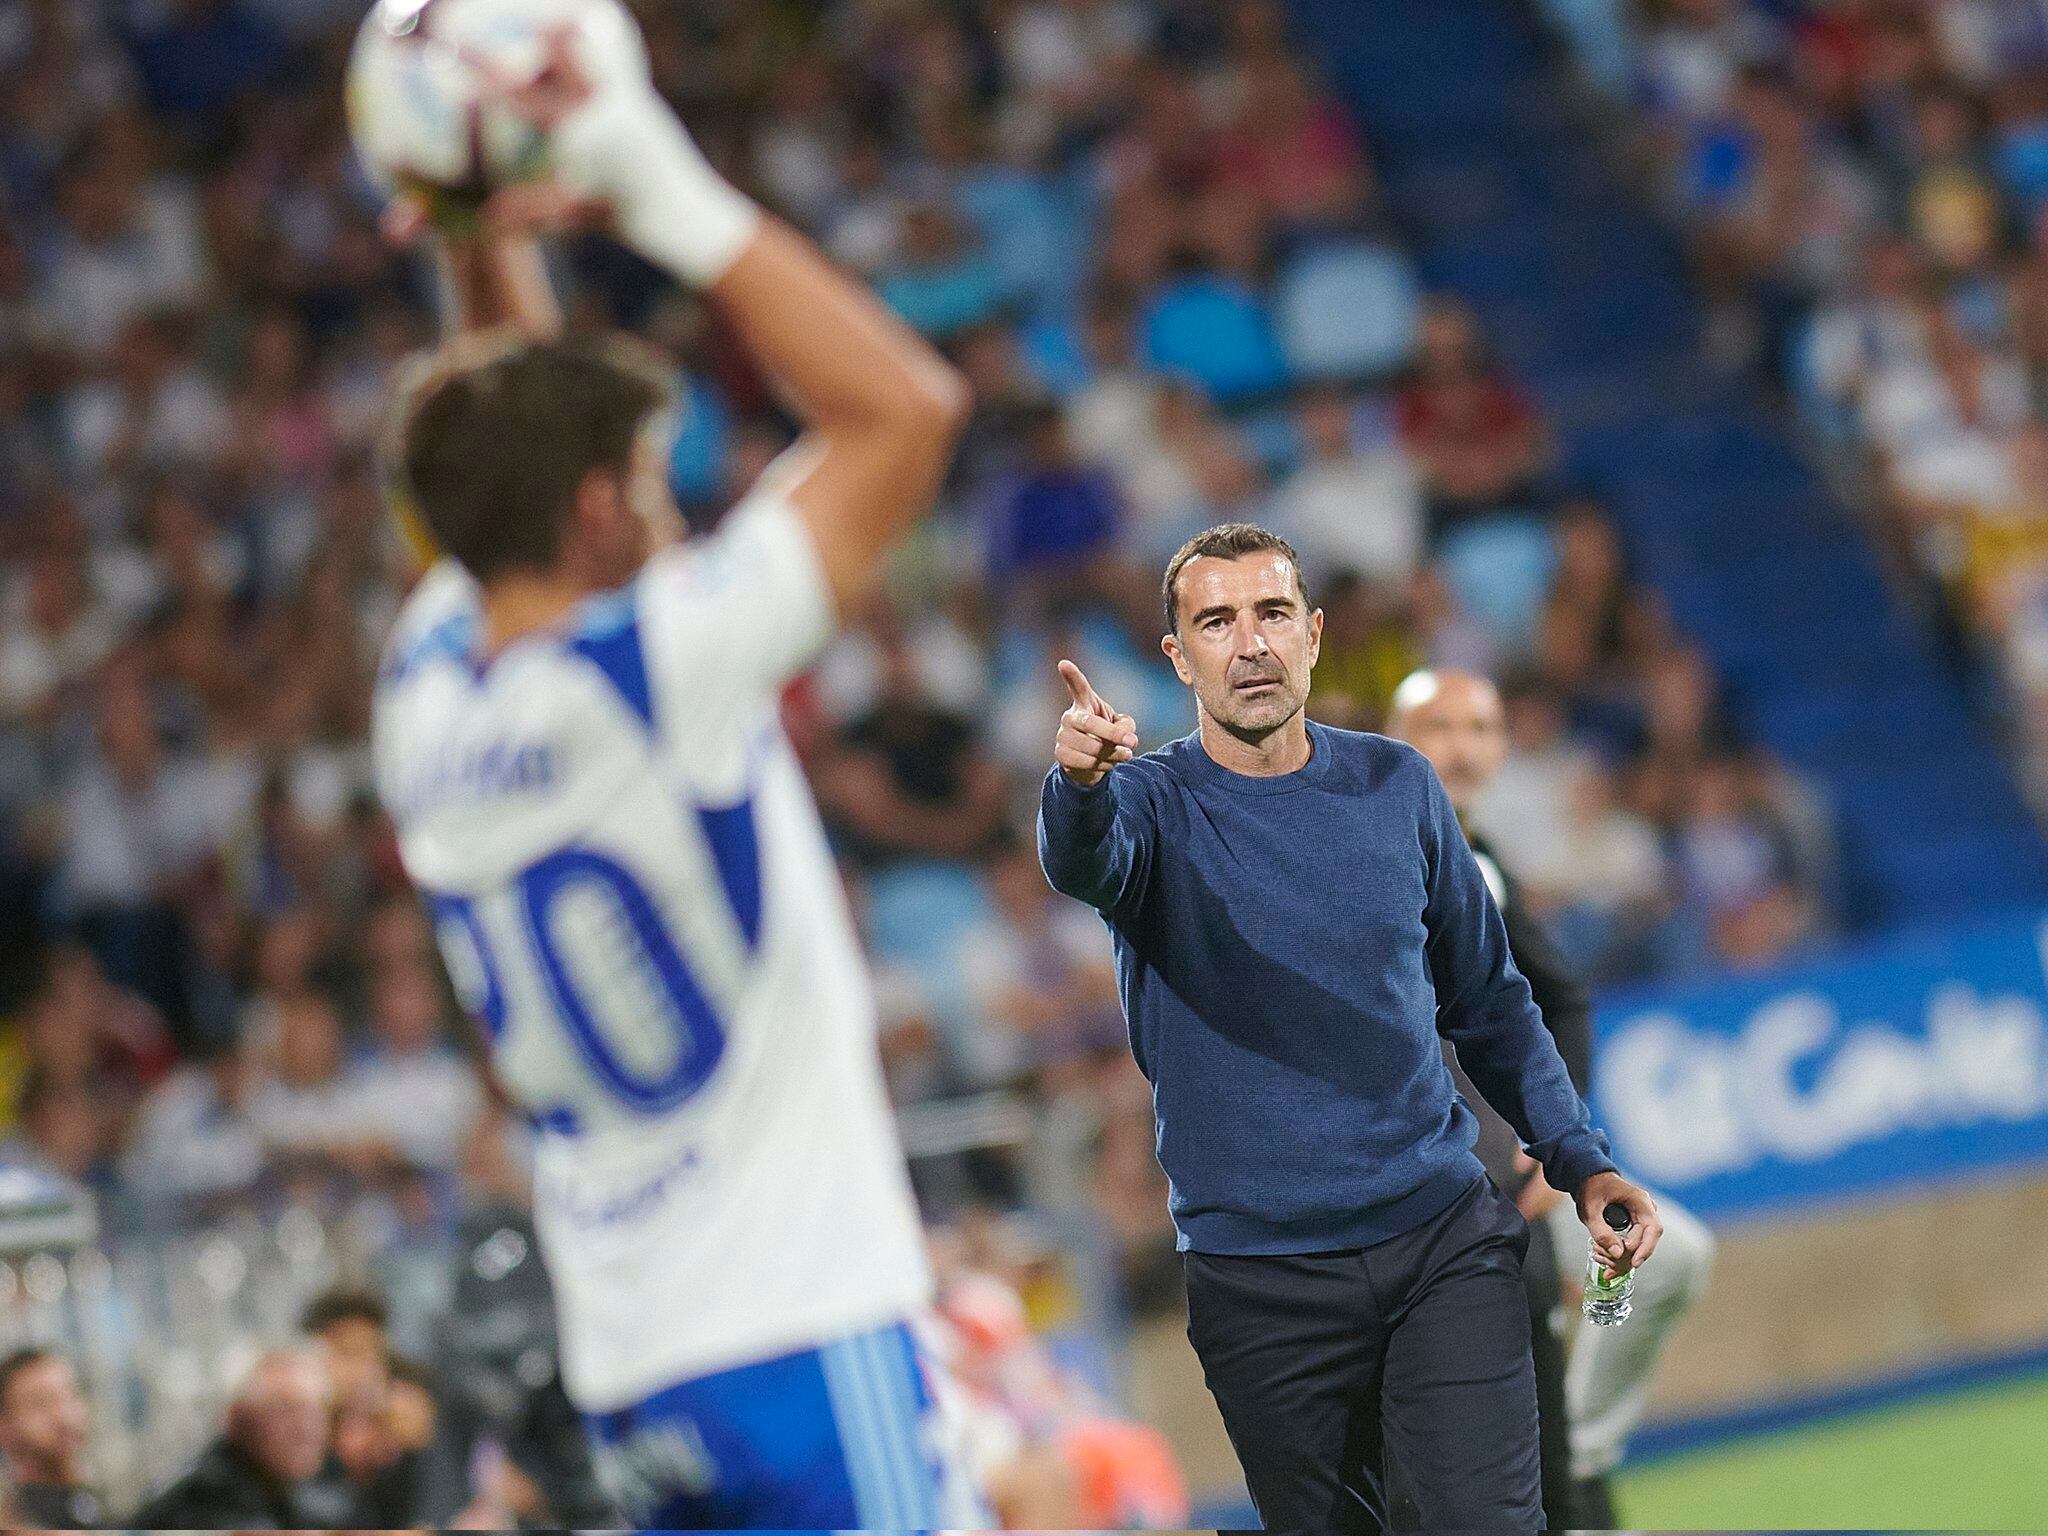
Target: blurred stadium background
1679, 362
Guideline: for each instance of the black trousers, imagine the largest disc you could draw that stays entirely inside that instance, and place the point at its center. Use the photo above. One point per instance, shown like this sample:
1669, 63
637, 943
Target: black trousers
1545, 1295
1413, 1354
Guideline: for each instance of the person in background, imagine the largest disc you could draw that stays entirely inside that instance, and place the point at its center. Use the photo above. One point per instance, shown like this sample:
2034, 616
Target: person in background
195, 1149
265, 1471
45, 1431
1475, 437
416, 1091
392, 1439
911, 780
306, 1111
1456, 720
1040, 975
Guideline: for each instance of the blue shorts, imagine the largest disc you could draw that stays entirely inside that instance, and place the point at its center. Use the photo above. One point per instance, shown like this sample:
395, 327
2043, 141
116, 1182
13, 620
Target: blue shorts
836, 1438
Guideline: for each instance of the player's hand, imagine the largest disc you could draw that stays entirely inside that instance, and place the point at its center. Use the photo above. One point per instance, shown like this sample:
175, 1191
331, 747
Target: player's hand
1093, 738
1619, 1252
560, 86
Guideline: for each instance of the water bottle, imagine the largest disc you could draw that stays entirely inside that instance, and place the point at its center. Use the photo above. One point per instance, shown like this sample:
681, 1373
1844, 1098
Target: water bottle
1607, 1301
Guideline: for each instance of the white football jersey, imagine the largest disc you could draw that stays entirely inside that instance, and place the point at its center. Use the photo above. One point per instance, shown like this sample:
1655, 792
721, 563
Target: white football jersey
635, 898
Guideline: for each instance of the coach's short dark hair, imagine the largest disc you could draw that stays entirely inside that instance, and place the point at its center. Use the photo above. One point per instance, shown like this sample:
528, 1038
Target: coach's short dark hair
494, 437
1226, 541
15, 1362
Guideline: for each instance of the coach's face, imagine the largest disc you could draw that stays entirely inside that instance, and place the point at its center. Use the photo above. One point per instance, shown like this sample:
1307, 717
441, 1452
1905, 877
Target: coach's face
1245, 641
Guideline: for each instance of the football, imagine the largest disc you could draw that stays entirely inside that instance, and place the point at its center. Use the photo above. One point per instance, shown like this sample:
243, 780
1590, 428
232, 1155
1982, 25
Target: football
425, 82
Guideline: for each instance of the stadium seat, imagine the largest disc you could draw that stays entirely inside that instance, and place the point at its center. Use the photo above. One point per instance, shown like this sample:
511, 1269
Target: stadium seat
1217, 332
1346, 311
1500, 570
696, 461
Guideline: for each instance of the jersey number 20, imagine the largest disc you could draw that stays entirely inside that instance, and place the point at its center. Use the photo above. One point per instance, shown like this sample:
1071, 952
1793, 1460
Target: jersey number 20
638, 941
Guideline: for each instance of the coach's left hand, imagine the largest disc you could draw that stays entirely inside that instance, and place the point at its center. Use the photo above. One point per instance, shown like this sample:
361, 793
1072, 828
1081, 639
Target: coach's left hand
1618, 1251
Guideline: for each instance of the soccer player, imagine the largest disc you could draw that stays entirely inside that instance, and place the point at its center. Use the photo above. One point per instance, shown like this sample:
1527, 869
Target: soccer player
1456, 720
576, 732
1297, 920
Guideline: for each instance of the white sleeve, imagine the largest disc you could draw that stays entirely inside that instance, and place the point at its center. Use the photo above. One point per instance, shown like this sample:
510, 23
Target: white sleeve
728, 619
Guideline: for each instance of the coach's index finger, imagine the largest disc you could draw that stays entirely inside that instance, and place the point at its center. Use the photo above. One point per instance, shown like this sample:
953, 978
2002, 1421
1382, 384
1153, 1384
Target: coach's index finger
1083, 692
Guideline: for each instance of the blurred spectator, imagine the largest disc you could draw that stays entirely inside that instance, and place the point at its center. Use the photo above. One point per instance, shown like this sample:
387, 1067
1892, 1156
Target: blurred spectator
1293, 148
386, 1416
81, 1031
939, 281
910, 780
152, 410
1048, 1453
1040, 977
53, 633
1693, 53
1349, 507
265, 1470
1369, 645
196, 1149
1525, 813
1056, 513
124, 245
496, 1358
1474, 435
1735, 869
415, 1091
45, 1432
135, 819
68, 1129
1130, 1197
309, 1114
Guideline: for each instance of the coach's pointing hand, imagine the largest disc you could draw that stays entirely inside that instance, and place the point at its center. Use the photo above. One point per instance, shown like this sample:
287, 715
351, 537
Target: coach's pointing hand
1093, 737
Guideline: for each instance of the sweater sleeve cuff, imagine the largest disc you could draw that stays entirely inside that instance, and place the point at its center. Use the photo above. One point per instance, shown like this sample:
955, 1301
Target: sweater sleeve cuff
1077, 801
1576, 1159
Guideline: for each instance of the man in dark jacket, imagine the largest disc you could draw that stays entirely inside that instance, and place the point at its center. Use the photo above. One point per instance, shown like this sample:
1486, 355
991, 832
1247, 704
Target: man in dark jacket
1455, 719
264, 1472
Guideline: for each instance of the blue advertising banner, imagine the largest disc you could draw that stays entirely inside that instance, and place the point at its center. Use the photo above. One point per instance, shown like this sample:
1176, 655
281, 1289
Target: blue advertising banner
1897, 1064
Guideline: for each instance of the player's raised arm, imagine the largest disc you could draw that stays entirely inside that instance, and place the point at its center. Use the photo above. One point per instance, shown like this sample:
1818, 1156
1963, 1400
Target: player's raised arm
492, 281
881, 409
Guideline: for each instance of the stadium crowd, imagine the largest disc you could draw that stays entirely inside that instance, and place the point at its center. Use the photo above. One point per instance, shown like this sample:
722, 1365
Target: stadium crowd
1865, 184
1151, 238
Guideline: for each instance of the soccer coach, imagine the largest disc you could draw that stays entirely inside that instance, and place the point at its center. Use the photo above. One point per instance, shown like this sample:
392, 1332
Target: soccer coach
1297, 918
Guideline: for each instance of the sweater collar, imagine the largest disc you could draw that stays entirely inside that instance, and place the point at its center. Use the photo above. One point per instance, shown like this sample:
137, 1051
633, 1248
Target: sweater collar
1204, 769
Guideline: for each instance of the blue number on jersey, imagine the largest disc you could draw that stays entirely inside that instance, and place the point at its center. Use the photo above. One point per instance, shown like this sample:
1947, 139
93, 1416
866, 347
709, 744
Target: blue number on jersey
703, 1036
701, 1033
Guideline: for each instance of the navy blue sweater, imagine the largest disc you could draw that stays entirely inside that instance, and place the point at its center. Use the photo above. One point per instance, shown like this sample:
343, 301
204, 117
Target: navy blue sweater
1289, 949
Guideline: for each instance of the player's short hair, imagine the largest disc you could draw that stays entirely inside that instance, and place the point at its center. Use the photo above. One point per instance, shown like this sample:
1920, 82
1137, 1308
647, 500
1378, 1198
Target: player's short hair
14, 1362
344, 1304
1226, 541
493, 435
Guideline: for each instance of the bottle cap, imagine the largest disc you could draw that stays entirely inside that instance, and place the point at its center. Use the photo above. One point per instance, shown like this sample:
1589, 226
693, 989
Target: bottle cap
1617, 1217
